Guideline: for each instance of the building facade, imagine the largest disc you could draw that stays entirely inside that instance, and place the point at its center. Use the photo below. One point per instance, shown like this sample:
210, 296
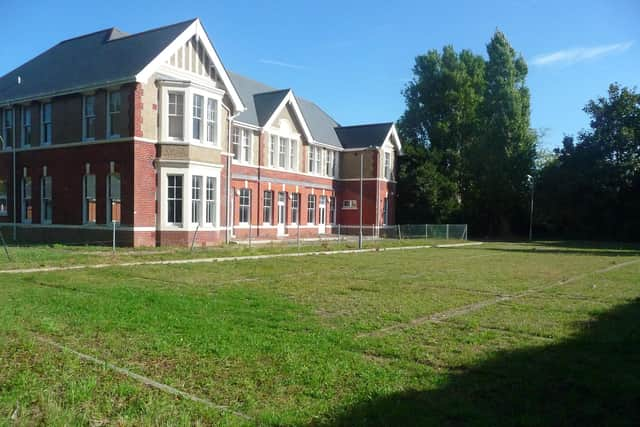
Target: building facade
149, 131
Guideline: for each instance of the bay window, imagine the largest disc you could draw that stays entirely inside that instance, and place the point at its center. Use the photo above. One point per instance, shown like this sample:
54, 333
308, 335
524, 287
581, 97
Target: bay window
387, 165
241, 144
113, 114
235, 142
293, 154
318, 158
246, 145
212, 119
328, 159
174, 199
198, 102
211, 200
196, 199
272, 150
176, 115
89, 118
311, 158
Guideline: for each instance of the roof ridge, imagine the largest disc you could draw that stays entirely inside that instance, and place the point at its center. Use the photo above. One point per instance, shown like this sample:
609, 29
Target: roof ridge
84, 35
366, 125
164, 27
271, 92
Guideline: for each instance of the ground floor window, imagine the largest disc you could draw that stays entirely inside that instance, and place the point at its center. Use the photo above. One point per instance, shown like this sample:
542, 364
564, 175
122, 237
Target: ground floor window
174, 199
332, 210
311, 209
114, 199
295, 207
196, 199
46, 200
385, 211
211, 200
4, 205
89, 199
267, 208
27, 205
244, 205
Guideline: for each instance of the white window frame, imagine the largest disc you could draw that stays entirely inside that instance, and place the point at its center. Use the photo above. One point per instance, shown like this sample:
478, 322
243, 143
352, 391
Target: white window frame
212, 120
273, 147
211, 201
185, 120
246, 142
267, 220
24, 142
195, 110
110, 113
44, 123
244, 193
295, 197
311, 219
282, 152
174, 198
387, 165
86, 117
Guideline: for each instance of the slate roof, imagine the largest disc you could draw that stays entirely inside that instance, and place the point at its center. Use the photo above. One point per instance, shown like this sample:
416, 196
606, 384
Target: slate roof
94, 59
112, 56
363, 136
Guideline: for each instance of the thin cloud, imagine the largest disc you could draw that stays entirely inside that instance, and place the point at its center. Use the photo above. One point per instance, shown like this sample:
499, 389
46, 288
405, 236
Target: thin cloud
571, 56
281, 64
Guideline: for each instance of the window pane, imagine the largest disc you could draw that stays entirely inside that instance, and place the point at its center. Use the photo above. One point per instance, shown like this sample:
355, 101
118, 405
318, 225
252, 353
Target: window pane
212, 113
176, 115
196, 198
198, 102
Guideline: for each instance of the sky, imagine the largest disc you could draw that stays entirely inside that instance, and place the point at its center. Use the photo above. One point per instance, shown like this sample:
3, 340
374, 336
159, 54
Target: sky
353, 58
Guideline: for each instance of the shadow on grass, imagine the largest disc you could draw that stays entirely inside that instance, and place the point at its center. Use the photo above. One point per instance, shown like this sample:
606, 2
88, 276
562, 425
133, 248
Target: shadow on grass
592, 378
573, 248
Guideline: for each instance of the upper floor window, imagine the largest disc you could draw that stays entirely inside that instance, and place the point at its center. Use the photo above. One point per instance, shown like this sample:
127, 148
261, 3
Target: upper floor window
4, 205
312, 155
318, 158
212, 119
387, 165
328, 162
89, 118
198, 103
176, 115
293, 154
7, 127
241, 144
26, 127
113, 115
45, 124
272, 150
282, 152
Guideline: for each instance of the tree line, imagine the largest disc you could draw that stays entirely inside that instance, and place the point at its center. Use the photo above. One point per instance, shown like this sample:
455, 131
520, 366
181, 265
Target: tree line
471, 155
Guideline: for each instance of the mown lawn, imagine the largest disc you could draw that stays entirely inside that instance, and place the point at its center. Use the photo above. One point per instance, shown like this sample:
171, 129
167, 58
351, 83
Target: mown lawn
297, 341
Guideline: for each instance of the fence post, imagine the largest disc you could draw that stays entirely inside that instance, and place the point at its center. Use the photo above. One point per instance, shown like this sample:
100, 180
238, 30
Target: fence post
447, 231
298, 236
426, 232
399, 233
339, 234
193, 241
465, 231
4, 244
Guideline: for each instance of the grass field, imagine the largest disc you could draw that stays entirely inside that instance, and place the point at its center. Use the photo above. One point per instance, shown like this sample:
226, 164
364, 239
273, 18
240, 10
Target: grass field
498, 334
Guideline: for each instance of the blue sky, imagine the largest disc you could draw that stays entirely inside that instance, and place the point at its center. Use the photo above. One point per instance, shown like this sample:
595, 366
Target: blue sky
354, 57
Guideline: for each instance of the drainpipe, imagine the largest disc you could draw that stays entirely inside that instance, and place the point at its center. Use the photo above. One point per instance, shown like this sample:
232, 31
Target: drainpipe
230, 118
378, 164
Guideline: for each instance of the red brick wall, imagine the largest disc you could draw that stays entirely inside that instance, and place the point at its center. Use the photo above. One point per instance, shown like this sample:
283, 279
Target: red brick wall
144, 183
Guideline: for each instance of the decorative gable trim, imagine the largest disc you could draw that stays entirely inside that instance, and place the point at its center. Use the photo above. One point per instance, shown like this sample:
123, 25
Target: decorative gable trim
195, 29
394, 132
290, 98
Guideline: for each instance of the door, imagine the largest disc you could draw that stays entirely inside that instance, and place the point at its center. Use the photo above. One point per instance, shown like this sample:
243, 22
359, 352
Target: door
282, 212
322, 215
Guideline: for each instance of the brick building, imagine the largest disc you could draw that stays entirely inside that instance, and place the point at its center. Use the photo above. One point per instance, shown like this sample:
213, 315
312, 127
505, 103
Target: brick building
150, 131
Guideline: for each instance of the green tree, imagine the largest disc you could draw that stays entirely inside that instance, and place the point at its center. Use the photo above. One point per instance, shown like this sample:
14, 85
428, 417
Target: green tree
499, 165
441, 120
